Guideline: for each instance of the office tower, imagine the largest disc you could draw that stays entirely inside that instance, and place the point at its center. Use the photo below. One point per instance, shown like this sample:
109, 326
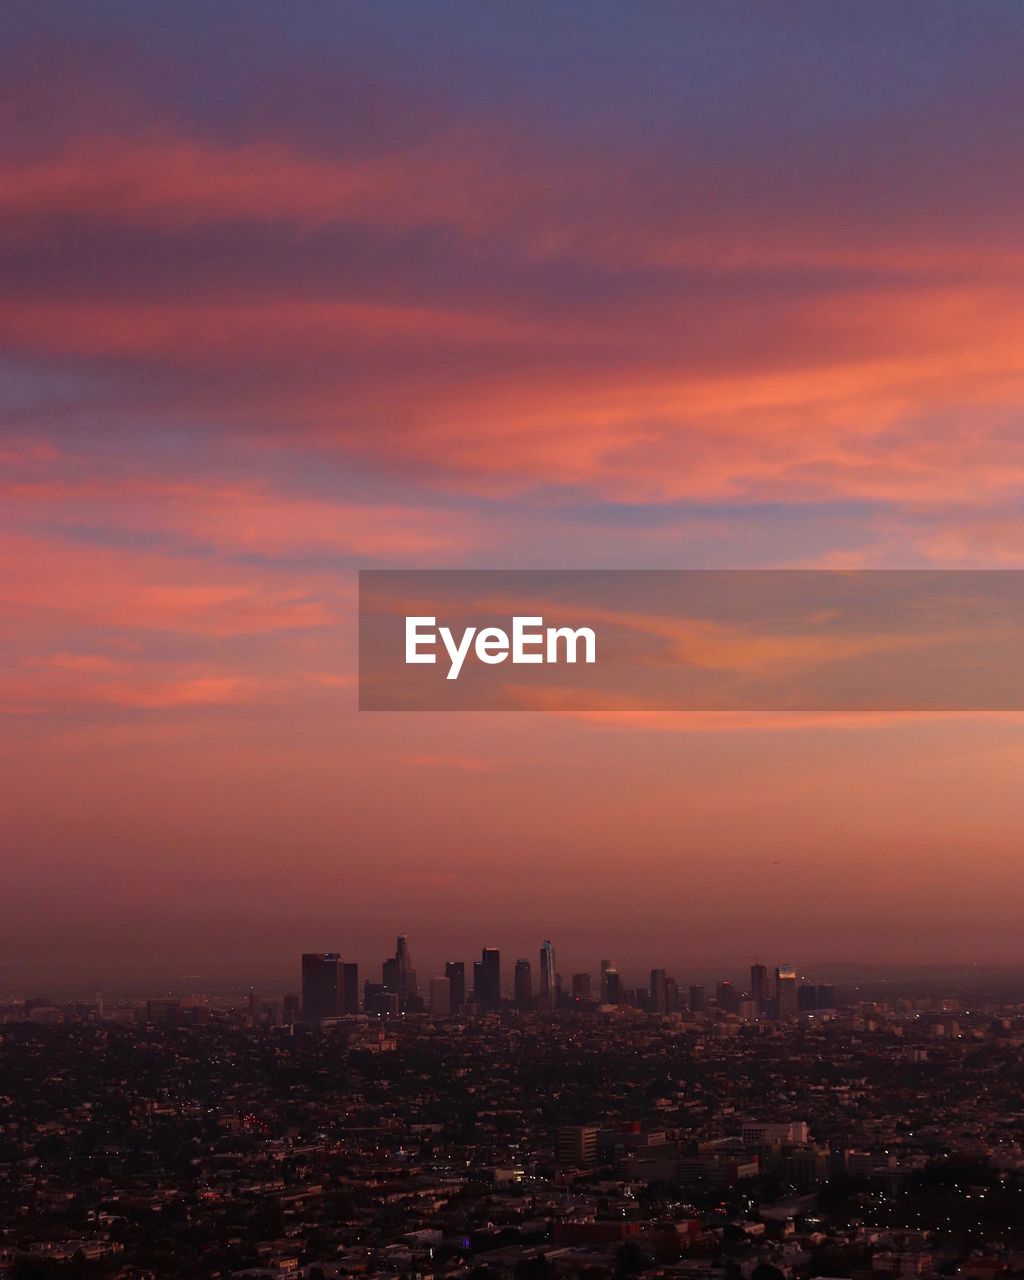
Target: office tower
523, 986
785, 992
577, 1146
672, 995
613, 986
581, 986
806, 998
320, 985
826, 996
406, 973
547, 975
727, 997
455, 972
759, 987
487, 979
399, 977
441, 997
383, 1003
348, 994
292, 1009
659, 992
606, 966
698, 1004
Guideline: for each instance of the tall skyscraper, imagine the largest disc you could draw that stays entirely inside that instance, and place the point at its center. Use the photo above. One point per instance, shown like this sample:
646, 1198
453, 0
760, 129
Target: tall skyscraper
547, 974
523, 986
698, 1004
487, 979
606, 965
398, 975
659, 991
613, 986
406, 973
441, 997
727, 997
455, 972
785, 992
807, 997
581, 986
320, 985
759, 987
348, 989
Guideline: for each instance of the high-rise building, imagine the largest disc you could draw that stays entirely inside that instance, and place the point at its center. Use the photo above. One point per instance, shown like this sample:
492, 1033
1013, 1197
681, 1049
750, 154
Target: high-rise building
378, 1001
605, 966
548, 992
659, 991
320, 985
455, 972
806, 997
407, 974
727, 997
613, 986
523, 986
398, 975
487, 979
581, 986
577, 1146
759, 987
441, 997
348, 989
785, 992
826, 995
698, 1003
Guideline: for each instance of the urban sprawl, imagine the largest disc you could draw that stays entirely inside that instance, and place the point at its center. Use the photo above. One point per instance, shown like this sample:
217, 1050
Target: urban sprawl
534, 1129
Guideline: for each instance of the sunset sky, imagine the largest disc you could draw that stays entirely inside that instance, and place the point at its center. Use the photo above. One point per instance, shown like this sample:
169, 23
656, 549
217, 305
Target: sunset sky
291, 290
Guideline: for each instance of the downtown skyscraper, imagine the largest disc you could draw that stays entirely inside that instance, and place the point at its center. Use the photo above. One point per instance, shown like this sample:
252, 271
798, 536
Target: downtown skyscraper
320, 987
548, 978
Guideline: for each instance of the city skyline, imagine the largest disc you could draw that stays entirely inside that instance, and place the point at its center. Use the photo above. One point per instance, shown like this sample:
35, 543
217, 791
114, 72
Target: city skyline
580, 976
331, 988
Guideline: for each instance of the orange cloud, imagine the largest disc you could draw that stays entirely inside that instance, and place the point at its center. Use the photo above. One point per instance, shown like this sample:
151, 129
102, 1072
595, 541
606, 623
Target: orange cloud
50, 579
164, 180
892, 385
234, 517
